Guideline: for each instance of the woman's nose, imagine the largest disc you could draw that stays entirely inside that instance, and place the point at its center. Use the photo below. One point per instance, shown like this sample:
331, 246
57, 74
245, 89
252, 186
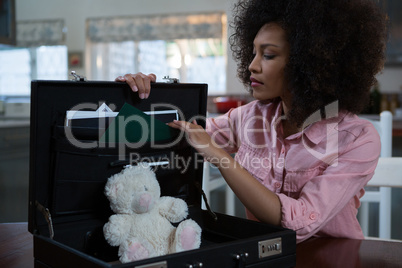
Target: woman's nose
254, 66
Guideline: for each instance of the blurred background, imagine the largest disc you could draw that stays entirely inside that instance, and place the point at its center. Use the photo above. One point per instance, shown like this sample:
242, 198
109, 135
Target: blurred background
47, 39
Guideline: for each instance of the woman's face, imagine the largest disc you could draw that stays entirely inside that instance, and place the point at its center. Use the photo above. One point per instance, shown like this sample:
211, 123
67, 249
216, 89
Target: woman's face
271, 53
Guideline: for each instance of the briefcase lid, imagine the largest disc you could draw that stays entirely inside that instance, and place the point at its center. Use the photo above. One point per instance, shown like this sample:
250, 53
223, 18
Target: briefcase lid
70, 163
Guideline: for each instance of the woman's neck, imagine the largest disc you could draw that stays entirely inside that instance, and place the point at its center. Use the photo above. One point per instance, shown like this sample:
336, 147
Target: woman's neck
287, 127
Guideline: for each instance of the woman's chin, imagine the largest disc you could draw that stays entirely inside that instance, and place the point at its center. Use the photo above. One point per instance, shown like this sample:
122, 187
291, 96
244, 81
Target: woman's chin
260, 97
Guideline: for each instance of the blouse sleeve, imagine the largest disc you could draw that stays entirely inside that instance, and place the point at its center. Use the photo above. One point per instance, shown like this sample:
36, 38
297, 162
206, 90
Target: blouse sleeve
327, 194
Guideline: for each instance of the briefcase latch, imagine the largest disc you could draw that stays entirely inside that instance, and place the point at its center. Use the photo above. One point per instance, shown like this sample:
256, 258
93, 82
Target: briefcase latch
269, 247
195, 265
241, 259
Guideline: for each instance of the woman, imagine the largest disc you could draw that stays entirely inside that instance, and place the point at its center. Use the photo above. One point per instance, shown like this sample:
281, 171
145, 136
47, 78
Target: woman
303, 157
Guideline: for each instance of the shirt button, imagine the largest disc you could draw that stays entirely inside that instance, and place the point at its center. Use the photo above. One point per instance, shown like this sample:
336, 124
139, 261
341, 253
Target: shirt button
277, 185
312, 216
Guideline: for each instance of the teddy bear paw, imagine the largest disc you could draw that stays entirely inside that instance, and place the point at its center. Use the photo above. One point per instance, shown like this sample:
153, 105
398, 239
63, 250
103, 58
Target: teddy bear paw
135, 251
188, 236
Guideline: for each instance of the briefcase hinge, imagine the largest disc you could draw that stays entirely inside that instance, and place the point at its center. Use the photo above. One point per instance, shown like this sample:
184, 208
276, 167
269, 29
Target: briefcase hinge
77, 77
171, 80
204, 196
48, 217
162, 264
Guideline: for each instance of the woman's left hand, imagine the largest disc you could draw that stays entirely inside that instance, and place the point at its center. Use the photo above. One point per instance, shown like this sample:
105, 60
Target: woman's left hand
138, 82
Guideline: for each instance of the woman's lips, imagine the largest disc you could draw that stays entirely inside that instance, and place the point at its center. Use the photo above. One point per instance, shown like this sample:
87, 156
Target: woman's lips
255, 82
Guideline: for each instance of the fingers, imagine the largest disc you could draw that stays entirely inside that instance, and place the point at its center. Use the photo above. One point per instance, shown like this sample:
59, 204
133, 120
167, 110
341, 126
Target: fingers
185, 126
138, 82
152, 76
182, 125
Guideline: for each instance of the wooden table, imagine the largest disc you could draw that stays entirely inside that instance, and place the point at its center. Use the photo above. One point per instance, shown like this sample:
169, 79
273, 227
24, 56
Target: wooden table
343, 253
16, 245
16, 250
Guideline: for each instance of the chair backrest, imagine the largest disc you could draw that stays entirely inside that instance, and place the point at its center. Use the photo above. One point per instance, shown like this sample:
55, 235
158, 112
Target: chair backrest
388, 173
384, 128
389, 169
381, 174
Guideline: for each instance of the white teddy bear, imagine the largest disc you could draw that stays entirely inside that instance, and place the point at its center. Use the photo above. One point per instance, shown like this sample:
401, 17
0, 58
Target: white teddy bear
142, 226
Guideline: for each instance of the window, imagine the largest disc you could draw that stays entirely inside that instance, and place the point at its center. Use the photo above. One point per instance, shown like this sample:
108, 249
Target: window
191, 48
19, 66
190, 60
42, 55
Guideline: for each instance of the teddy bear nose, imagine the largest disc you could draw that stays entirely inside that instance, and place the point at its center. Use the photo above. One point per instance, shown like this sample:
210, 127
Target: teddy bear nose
145, 200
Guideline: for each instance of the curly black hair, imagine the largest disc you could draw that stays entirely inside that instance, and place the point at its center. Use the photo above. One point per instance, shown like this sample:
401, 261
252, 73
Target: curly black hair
336, 49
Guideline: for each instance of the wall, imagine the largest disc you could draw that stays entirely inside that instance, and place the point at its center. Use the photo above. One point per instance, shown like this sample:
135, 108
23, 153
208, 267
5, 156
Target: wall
390, 80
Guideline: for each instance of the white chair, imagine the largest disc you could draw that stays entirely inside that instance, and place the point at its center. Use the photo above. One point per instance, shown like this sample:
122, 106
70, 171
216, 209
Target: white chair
388, 174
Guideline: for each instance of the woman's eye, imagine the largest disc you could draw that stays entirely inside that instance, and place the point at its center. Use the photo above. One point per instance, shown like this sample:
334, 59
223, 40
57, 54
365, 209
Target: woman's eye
269, 57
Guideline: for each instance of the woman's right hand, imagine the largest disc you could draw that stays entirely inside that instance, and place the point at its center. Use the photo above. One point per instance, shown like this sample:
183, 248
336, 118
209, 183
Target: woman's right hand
138, 82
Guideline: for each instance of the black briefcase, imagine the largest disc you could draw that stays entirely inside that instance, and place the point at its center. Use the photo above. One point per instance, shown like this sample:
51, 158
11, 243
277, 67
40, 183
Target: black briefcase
70, 162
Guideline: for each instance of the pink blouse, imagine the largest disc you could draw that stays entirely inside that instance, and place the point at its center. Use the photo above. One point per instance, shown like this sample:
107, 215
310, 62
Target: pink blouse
318, 173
